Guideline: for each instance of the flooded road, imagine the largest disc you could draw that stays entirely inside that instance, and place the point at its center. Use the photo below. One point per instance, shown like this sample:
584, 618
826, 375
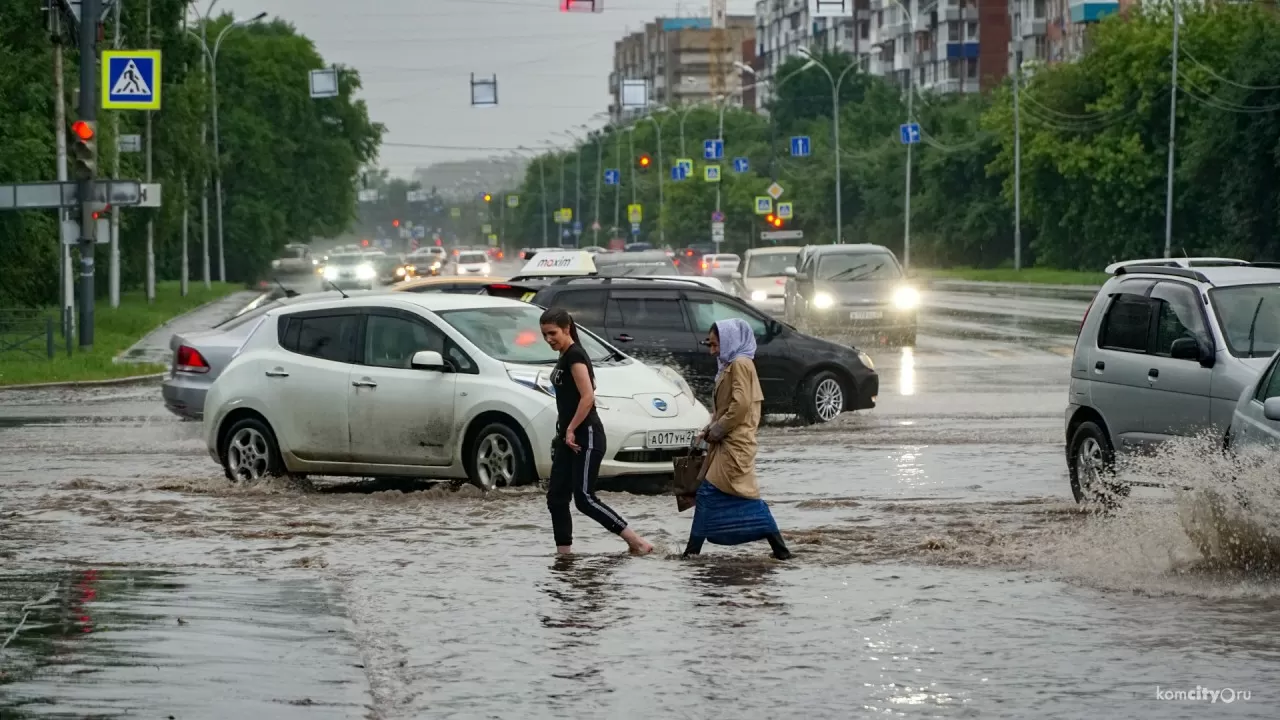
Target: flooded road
941, 570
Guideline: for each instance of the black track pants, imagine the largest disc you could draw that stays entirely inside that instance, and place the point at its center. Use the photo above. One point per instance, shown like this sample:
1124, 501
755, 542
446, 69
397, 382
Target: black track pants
573, 475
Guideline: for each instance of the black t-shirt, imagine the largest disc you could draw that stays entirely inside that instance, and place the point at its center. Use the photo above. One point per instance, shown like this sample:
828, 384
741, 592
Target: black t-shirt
567, 395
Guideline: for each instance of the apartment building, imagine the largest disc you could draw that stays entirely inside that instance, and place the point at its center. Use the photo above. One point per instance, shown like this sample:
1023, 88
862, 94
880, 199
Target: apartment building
677, 59
1053, 31
783, 26
947, 45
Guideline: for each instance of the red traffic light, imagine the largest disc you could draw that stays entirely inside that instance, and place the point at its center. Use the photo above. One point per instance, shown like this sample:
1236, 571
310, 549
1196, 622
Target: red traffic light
82, 130
769, 218
777, 222
365, 242
394, 223
645, 161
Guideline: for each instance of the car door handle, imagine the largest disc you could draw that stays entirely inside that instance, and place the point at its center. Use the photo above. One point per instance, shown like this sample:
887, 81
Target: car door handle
1153, 373
364, 383
1100, 365
277, 373
624, 338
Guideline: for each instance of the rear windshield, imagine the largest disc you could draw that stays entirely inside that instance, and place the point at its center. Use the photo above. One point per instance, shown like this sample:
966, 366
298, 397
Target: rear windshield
472, 257
244, 317
771, 265
648, 269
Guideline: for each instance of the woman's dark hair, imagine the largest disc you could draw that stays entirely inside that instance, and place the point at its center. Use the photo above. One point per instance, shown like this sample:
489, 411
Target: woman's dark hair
561, 319
715, 328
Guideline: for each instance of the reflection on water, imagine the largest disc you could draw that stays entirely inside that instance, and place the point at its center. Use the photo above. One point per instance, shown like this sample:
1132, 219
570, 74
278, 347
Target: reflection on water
908, 469
583, 589
907, 372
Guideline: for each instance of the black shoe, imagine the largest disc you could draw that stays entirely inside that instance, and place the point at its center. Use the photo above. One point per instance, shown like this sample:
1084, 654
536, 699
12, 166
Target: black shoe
780, 551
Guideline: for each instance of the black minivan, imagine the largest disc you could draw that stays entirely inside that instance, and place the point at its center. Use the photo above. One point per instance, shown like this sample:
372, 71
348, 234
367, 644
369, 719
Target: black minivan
666, 322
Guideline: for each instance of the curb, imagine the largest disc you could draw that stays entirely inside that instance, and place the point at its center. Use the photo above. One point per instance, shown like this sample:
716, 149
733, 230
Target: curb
131, 379
1085, 291
253, 303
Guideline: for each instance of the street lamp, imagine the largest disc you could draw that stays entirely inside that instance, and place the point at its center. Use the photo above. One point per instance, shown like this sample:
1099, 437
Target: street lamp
835, 125
662, 201
217, 152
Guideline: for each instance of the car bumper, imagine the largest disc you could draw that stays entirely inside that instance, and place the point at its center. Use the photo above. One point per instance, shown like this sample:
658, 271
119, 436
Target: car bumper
862, 319
183, 397
868, 392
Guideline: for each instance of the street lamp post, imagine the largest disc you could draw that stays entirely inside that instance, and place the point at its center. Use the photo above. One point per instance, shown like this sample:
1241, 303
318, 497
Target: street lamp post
662, 202
836, 83
595, 225
724, 104
217, 151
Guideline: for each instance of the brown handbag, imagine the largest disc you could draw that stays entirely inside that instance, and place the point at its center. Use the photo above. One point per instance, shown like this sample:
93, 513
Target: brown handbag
687, 477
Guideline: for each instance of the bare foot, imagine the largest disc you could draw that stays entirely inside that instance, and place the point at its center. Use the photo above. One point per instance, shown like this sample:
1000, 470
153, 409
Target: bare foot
637, 544
564, 549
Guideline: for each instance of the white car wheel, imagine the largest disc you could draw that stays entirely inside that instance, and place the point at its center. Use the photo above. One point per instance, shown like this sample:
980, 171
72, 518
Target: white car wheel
250, 453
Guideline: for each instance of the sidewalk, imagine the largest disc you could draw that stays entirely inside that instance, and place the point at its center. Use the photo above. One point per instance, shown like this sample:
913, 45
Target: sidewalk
1072, 292
154, 346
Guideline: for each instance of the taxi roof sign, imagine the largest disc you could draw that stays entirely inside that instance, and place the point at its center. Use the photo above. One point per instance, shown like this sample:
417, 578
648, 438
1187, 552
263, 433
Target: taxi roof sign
559, 263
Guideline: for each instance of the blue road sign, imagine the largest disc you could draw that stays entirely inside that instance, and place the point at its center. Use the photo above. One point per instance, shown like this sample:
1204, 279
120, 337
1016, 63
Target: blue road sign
679, 172
910, 133
420, 232
611, 176
635, 228
577, 227
717, 216
712, 149
740, 165
565, 233
800, 146
131, 79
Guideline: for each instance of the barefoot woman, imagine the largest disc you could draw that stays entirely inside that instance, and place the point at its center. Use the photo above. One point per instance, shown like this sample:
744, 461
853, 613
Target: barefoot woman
579, 445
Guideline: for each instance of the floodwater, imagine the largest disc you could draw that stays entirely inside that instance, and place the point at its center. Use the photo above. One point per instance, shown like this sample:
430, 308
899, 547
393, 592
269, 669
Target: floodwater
941, 570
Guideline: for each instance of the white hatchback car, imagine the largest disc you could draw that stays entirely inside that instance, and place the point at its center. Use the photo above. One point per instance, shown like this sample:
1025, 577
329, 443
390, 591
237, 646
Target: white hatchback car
428, 385
472, 262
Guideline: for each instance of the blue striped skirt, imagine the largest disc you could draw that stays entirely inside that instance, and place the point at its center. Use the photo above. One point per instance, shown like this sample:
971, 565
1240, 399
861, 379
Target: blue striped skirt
724, 519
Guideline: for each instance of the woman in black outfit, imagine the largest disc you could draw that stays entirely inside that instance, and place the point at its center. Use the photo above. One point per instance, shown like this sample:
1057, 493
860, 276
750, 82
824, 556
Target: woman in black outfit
579, 444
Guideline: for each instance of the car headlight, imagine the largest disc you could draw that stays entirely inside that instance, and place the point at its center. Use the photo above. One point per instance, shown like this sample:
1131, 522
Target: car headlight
534, 380
866, 360
906, 298
275, 263
315, 261
365, 272
675, 378
484, 269
822, 301
331, 273
759, 296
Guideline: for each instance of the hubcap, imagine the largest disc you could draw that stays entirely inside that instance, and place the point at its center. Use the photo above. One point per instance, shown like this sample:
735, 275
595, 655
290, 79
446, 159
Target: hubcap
495, 461
1089, 463
828, 399
248, 455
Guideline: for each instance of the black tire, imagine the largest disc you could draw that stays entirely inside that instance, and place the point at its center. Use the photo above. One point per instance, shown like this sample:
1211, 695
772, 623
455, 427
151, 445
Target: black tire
250, 452
823, 396
500, 446
1091, 464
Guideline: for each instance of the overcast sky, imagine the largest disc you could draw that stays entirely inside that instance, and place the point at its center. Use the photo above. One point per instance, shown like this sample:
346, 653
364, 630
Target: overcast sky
416, 58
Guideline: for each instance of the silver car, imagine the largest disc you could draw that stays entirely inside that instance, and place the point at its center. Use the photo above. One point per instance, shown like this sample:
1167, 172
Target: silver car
1256, 421
763, 277
1165, 349
200, 357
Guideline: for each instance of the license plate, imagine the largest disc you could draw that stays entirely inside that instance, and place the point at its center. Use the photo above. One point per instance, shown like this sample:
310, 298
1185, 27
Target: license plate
866, 315
659, 439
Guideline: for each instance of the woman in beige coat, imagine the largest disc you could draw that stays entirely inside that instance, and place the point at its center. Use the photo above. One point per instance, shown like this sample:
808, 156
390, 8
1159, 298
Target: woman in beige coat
729, 510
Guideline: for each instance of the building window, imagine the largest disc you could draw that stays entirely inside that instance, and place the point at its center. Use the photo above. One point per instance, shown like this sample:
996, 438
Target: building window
953, 69
879, 18
973, 30
971, 68
1038, 10
864, 30
953, 32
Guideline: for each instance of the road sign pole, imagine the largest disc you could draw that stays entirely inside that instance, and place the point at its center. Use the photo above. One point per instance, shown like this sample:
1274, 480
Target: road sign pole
113, 252
90, 13
151, 226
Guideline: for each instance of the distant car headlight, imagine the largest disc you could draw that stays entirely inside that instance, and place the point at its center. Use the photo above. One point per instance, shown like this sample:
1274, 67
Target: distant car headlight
484, 269
275, 263
906, 298
759, 296
866, 360
401, 271
365, 272
315, 261
672, 376
822, 301
534, 380
331, 273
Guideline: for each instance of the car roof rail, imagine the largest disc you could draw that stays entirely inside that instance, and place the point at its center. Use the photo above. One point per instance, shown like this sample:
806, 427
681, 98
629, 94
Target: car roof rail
607, 279
1267, 264
1163, 270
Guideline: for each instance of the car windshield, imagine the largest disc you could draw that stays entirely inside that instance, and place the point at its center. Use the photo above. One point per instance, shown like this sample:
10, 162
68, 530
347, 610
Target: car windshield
648, 269
852, 267
293, 253
512, 334
770, 265
1250, 318
471, 257
346, 259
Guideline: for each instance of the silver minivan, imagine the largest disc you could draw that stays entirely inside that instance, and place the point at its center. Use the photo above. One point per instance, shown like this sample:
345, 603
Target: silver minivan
1256, 422
1165, 350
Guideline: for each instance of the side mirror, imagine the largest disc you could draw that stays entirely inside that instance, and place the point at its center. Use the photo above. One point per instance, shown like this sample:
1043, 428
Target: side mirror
775, 328
1185, 349
737, 275
1271, 409
790, 272
428, 360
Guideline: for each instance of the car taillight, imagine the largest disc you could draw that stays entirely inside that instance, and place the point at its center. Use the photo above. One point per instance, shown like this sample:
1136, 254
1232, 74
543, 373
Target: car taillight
188, 359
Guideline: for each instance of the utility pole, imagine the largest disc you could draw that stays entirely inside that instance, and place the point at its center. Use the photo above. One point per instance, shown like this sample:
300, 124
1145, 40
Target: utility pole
595, 226
617, 189
90, 14
1017, 157
204, 131
113, 260
151, 226
66, 286
1173, 127
184, 281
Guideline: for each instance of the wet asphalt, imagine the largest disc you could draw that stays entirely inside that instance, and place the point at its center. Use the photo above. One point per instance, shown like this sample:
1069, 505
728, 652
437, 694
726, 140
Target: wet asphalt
940, 570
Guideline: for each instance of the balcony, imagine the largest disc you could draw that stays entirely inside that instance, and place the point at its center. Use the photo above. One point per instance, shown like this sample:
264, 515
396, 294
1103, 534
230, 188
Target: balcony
956, 50
1091, 12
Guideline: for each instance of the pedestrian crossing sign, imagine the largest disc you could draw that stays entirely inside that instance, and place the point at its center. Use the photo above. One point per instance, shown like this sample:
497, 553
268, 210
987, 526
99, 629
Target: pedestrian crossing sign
131, 79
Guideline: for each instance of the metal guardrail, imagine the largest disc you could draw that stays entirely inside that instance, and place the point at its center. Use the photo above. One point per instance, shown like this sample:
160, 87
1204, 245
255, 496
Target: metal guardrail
22, 329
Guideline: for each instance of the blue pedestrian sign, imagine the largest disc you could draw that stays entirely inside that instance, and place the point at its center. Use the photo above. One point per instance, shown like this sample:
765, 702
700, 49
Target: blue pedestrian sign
131, 79
713, 149
910, 133
800, 146
611, 176
635, 228
740, 165
679, 172
577, 227
565, 233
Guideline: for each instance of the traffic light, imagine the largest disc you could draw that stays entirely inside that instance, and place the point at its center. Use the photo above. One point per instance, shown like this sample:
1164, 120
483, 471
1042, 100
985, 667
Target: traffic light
395, 223
644, 161
84, 135
487, 197
365, 242
778, 221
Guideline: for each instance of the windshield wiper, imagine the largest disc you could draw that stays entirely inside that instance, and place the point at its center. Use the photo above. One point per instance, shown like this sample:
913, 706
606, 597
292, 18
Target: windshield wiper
844, 272
869, 272
1253, 324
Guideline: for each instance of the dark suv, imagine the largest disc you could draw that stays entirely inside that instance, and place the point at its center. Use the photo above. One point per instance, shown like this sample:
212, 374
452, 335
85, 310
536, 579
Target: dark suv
666, 322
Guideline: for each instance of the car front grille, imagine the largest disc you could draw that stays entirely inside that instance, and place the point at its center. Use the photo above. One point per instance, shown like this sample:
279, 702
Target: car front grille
648, 456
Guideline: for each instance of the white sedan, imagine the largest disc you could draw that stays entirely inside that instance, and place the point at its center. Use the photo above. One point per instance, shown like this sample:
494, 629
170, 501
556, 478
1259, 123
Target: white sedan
427, 385
472, 262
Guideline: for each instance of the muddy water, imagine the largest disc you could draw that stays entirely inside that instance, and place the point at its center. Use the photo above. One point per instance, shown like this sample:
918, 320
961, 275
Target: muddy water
941, 570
